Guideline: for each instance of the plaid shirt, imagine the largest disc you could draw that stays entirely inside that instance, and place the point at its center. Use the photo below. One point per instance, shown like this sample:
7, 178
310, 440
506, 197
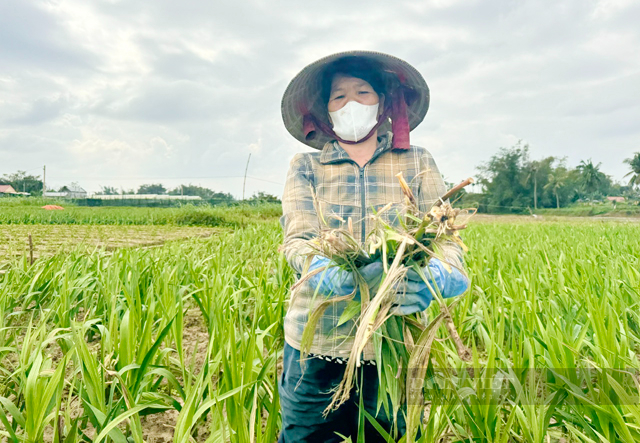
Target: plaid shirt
345, 190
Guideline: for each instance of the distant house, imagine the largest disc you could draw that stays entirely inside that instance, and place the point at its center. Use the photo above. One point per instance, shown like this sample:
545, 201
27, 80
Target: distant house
616, 199
75, 191
69, 191
7, 190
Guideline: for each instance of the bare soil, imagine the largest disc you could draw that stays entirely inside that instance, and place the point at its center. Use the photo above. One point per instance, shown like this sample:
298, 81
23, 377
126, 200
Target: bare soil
50, 239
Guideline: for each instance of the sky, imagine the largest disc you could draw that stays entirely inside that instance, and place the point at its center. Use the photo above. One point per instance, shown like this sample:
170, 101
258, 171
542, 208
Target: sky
126, 92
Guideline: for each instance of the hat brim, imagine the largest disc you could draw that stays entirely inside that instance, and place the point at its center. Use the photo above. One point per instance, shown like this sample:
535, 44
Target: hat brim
303, 94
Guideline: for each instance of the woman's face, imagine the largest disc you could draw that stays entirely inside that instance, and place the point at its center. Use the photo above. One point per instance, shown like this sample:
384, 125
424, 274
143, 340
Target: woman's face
345, 89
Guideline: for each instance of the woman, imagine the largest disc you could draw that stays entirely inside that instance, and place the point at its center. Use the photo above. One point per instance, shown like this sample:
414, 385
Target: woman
357, 109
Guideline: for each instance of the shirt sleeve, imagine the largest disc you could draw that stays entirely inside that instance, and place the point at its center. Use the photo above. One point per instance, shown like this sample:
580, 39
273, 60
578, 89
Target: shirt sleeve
432, 184
299, 218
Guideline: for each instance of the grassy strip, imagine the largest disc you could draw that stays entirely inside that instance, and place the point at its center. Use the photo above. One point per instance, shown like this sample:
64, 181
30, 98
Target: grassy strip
188, 215
607, 209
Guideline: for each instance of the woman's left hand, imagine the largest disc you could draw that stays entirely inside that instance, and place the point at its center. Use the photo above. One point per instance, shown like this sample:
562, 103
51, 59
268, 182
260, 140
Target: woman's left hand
333, 280
416, 295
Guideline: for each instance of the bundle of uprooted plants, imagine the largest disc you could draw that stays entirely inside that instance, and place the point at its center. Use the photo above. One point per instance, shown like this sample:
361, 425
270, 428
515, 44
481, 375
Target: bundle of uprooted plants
402, 343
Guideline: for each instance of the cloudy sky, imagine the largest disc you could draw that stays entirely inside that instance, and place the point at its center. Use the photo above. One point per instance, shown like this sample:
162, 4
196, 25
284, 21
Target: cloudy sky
126, 92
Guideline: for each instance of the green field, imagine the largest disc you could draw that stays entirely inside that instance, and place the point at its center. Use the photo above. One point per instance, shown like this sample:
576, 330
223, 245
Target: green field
181, 342
229, 216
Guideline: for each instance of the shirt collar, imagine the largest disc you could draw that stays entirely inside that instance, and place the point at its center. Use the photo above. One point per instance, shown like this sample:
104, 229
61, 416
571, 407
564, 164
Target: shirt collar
334, 153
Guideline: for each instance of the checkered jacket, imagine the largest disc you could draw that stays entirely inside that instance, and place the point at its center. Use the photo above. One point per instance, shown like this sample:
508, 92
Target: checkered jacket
344, 190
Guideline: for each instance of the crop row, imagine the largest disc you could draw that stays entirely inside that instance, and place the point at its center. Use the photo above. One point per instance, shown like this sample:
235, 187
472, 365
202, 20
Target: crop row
188, 215
97, 346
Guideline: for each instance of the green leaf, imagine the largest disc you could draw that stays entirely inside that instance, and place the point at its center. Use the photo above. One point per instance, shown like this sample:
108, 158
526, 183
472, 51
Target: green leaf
116, 421
7, 426
140, 373
14, 411
387, 437
352, 309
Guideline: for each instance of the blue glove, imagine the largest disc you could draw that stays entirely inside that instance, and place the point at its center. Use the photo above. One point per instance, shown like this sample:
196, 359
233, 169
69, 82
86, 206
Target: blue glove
415, 296
372, 274
336, 281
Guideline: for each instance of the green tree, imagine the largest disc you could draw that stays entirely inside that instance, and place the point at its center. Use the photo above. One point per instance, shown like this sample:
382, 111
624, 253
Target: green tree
532, 177
503, 178
634, 163
537, 173
155, 188
264, 197
222, 198
556, 181
23, 182
204, 193
593, 180
191, 190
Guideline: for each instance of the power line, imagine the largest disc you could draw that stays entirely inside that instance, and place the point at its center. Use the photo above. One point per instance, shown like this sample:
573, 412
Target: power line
28, 170
263, 180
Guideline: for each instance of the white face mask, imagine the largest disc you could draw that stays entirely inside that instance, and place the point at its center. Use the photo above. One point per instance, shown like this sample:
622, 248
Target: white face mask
354, 120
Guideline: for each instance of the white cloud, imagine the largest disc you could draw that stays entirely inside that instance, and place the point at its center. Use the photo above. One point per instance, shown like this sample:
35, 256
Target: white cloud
123, 93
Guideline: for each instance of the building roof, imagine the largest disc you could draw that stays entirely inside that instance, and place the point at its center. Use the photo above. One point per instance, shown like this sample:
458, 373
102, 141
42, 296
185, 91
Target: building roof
75, 188
7, 189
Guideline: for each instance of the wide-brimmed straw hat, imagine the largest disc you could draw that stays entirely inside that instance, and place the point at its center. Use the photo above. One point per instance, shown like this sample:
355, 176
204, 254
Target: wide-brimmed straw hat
407, 98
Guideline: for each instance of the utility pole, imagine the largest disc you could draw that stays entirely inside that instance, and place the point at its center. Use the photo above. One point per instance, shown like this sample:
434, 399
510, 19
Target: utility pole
535, 188
535, 192
245, 176
44, 181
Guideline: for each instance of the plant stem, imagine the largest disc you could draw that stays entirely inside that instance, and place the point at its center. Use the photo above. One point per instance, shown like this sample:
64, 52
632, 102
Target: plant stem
463, 352
453, 191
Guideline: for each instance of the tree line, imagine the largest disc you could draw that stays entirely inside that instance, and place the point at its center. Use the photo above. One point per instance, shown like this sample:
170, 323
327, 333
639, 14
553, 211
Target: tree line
23, 182
32, 184
159, 189
191, 190
511, 180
